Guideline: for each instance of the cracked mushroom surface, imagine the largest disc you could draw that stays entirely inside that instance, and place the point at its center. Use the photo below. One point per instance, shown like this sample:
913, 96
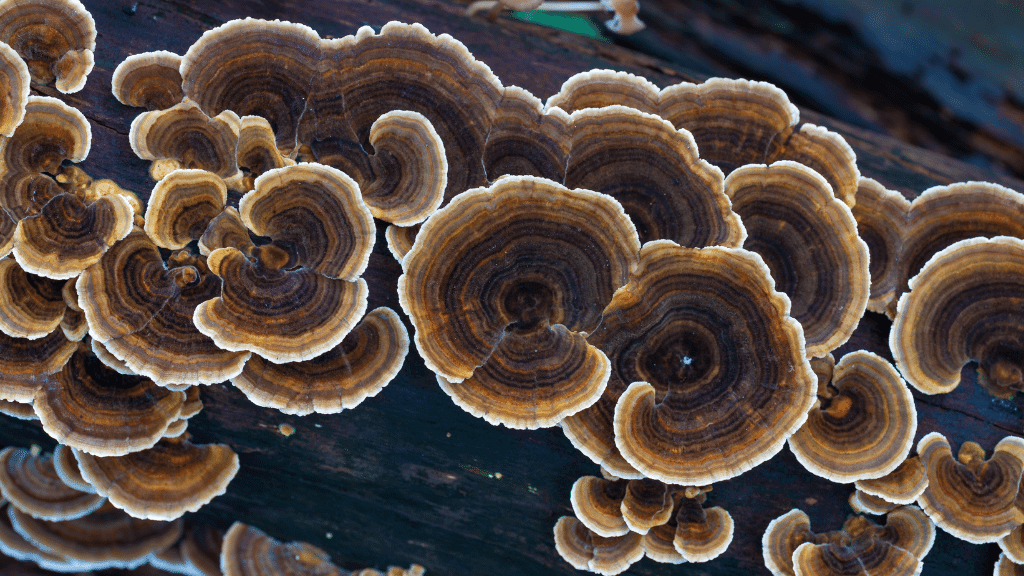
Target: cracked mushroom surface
148, 80
55, 37
32, 484
863, 425
964, 305
502, 286
678, 397
584, 550
248, 551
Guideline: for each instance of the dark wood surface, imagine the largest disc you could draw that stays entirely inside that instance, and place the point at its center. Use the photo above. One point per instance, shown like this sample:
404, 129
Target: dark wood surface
408, 476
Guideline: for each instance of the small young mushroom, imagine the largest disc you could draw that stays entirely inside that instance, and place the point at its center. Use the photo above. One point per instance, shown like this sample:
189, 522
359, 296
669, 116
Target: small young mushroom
597, 503
901, 486
148, 80
32, 485
182, 205
185, 134
248, 551
584, 550
56, 37
702, 534
646, 503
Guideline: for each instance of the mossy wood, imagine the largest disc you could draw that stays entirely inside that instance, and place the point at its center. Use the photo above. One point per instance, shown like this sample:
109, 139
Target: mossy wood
408, 476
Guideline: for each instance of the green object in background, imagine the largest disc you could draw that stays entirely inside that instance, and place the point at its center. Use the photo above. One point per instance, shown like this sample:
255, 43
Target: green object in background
569, 22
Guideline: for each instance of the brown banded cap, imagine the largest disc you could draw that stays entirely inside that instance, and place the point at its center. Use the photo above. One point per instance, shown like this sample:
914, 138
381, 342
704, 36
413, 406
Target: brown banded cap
92, 408
148, 80
971, 497
881, 217
73, 323
66, 464
597, 503
257, 151
30, 306
655, 173
26, 364
193, 403
646, 503
809, 241
862, 556
869, 504
359, 367
400, 240
7, 227
19, 410
1005, 566
56, 38
501, 304
226, 231
176, 429
15, 93
702, 333
964, 305
108, 359
173, 477
248, 551
599, 88
184, 133
31, 484
901, 486
732, 121
702, 534
201, 547
584, 550
140, 309
526, 139
863, 425
14, 545
1012, 545
107, 537
182, 205
782, 537
823, 151
907, 527
659, 544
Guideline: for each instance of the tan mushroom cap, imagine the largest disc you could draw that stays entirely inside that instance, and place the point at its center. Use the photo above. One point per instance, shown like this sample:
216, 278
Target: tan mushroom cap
504, 327
585, 550
867, 556
201, 548
868, 504
174, 431
257, 151
26, 364
19, 410
15, 93
600, 88
107, 537
66, 465
226, 231
668, 326
901, 486
782, 537
1012, 545
184, 133
655, 173
140, 309
31, 484
970, 497
248, 551
56, 38
809, 241
193, 403
964, 305
1005, 566
359, 367
92, 408
659, 544
909, 528
400, 240
597, 503
148, 80
881, 216
30, 306
702, 534
16, 546
182, 205
173, 477
863, 425
526, 139
317, 213
646, 503
73, 323
823, 151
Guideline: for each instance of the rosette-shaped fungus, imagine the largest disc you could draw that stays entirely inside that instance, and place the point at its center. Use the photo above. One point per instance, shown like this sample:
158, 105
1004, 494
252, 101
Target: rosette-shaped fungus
55, 37
964, 305
15, 92
701, 534
646, 503
881, 217
182, 205
248, 551
31, 484
92, 408
863, 425
300, 295
704, 344
502, 286
585, 550
140, 309
185, 134
165, 481
968, 496
809, 241
901, 486
148, 80
597, 503
360, 366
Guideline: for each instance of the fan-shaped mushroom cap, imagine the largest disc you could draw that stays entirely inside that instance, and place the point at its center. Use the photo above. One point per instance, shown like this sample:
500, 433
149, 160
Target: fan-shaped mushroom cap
964, 305
400, 240
141, 310
410, 168
56, 38
1005, 566
970, 497
89, 407
107, 537
201, 548
66, 465
864, 424
867, 504
809, 241
600, 88
501, 283
176, 429
19, 410
526, 139
108, 359
248, 551
25, 364
257, 151
881, 217
598, 504
32, 484
702, 534
659, 544
823, 151
184, 133
867, 556
645, 504
193, 403
15, 93
226, 231
1013, 545
654, 172
901, 486
30, 306
17, 546
165, 481
732, 121
182, 205
73, 323
909, 528
585, 550
782, 537
364, 363
148, 80
669, 326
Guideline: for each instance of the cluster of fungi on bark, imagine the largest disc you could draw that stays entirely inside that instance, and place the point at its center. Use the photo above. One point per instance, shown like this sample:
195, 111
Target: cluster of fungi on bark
663, 273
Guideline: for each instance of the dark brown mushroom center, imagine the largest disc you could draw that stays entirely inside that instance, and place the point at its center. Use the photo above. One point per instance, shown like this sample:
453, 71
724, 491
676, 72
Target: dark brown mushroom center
841, 407
271, 257
682, 360
1003, 366
530, 303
